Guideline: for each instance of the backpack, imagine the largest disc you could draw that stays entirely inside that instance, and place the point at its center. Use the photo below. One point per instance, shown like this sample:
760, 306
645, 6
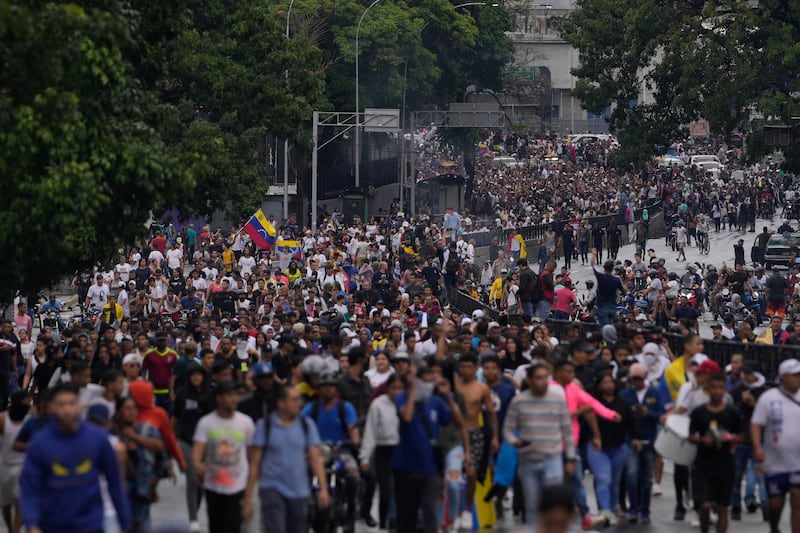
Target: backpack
451, 266
342, 417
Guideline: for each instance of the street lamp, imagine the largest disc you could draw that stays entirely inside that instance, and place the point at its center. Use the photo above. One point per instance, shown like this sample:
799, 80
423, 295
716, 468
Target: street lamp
286, 141
358, 109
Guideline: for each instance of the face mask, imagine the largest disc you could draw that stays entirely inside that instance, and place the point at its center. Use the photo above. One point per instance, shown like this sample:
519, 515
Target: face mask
650, 360
423, 390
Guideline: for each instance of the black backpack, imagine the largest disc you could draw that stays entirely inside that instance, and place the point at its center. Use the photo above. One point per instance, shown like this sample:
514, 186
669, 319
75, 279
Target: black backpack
451, 266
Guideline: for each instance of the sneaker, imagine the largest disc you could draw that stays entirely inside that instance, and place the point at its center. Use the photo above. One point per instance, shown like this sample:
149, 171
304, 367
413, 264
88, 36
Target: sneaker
611, 518
657, 489
680, 514
736, 514
645, 521
194, 525
591, 521
752, 507
695, 522
633, 518
466, 521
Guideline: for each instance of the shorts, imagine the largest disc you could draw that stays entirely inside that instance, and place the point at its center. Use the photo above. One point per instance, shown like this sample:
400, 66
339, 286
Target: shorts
779, 484
712, 485
9, 484
477, 445
776, 308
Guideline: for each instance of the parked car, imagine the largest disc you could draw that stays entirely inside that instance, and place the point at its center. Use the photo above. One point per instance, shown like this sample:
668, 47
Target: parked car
780, 249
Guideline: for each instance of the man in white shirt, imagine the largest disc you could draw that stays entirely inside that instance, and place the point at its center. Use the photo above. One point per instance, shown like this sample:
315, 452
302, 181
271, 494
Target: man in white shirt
124, 269
775, 434
246, 263
156, 256
97, 296
174, 257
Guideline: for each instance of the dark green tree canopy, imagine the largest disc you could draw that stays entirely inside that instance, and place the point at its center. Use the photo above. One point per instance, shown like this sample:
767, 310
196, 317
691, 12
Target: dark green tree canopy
700, 58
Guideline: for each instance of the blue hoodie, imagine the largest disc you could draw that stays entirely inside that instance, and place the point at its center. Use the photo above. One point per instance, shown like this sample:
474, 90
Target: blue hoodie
60, 481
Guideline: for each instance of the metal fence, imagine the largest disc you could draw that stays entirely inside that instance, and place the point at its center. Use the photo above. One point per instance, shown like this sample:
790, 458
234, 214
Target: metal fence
536, 232
765, 358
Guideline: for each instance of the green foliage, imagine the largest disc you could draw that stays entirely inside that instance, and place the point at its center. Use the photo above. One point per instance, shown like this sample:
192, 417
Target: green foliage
80, 169
699, 58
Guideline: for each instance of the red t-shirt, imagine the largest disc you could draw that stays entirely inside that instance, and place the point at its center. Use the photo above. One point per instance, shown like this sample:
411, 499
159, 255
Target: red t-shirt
158, 367
160, 244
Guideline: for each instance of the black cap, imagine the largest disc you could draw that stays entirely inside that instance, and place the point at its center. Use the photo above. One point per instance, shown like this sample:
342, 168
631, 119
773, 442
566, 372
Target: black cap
716, 326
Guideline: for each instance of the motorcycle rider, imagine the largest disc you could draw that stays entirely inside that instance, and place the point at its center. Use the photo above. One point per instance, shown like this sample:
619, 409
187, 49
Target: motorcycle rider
736, 308
336, 421
692, 281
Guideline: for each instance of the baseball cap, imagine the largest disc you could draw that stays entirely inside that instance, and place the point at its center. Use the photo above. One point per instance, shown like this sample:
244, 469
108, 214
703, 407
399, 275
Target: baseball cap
716, 326
262, 369
789, 367
466, 321
637, 370
400, 355
478, 313
493, 325
707, 367
98, 413
698, 358
130, 358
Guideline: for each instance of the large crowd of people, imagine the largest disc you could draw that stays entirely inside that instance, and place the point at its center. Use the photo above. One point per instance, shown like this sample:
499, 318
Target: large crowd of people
259, 373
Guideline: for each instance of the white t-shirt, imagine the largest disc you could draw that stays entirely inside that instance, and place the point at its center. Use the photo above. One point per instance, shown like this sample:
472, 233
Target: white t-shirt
226, 441
174, 257
779, 416
246, 264
98, 295
155, 254
124, 272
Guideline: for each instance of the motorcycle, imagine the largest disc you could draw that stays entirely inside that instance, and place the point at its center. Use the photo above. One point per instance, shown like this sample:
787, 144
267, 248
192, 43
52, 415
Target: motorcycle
335, 515
753, 303
49, 319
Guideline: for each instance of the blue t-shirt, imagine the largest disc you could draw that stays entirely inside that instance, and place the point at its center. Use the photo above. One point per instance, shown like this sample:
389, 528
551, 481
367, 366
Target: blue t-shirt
330, 427
607, 287
502, 394
284, 467
414, 452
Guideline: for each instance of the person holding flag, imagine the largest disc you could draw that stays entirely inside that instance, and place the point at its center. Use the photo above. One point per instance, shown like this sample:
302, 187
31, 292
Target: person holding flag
260, 230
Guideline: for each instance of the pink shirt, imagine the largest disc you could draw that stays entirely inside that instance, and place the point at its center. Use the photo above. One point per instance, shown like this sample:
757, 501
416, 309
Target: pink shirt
23, 321
576, 398
563, 297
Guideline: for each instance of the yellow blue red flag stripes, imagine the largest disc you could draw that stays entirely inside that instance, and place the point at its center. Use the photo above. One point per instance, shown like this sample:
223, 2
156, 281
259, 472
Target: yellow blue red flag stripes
260, 230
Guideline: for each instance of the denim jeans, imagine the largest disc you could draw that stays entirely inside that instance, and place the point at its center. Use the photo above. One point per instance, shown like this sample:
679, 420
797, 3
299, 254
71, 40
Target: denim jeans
527, 308
607, 466
605, 314
577, 485
535, 476
742, 457
543, 310
640, 479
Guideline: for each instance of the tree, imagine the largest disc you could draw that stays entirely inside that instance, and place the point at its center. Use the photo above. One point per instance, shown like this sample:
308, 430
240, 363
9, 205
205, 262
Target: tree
80, 167
234, 79
699, 58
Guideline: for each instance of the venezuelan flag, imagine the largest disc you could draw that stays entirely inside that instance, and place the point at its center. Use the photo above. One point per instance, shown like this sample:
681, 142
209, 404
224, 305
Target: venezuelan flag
290, 247
260, 230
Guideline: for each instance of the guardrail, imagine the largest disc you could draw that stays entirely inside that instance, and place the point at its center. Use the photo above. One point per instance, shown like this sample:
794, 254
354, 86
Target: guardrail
766, 358
536, 231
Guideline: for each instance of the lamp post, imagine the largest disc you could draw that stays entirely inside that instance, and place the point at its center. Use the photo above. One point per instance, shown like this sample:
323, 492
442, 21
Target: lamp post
358, 109
286, 141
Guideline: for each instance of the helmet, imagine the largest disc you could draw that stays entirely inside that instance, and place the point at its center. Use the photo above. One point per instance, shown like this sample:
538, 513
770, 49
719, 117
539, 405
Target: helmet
313, 364
711, 268
328, 378
653, 273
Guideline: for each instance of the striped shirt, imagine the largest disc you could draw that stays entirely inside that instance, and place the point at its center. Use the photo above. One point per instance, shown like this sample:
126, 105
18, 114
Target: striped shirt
544, 422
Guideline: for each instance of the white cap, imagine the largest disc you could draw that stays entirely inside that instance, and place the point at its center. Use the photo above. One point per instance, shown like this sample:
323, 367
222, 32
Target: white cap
478, 313
130, 358
466, 321
789, 367
698, 358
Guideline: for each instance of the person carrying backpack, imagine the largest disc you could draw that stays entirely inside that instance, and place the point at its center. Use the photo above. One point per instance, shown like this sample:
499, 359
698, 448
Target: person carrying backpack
530, 288
336, 421
284, 445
